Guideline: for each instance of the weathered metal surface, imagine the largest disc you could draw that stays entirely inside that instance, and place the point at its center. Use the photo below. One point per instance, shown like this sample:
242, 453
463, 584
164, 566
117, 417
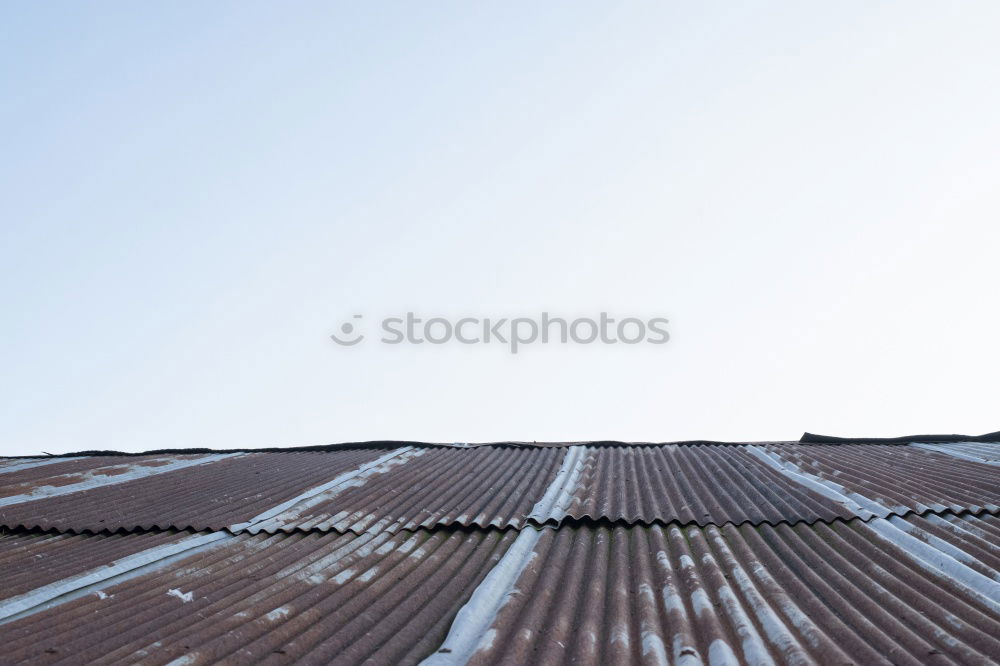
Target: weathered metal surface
686, 484
657, 553
30, 560
317, 597
500, 486
823, 594
8, 465
987, 452
482, 487
25, 475
208, 496
100, 474
900, 479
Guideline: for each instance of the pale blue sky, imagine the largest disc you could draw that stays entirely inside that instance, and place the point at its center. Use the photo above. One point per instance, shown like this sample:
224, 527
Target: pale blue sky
193, 197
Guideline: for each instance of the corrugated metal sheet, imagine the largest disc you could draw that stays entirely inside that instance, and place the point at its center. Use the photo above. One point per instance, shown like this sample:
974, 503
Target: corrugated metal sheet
900, 478
659, 554
62, 478
988, 452
319, 597
483, 487
209, 496
822, 594
500, 486
22, 475
839, 593
29, 560
687, 484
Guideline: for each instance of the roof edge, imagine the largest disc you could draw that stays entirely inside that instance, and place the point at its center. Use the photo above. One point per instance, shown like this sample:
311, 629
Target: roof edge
810, 438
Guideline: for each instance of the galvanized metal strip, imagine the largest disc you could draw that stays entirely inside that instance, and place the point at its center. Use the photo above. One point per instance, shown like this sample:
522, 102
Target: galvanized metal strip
93, 480
558, 496
36, 463
939, 557
376, 466
862, 506
470, 631
74, 587
947, 450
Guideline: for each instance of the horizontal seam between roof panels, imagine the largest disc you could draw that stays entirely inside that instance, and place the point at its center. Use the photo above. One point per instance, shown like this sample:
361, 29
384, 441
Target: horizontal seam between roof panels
569, 521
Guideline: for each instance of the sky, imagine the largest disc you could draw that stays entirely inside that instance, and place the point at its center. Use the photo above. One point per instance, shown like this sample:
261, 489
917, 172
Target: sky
194, 197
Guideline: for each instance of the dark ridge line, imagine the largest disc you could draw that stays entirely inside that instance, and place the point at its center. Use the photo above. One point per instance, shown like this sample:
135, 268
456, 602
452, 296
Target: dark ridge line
807, 438
569, 521
810, 438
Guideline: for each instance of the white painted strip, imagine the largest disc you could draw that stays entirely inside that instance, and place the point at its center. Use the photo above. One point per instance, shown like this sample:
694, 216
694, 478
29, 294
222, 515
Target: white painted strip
862, 506
954, 452
28, 464
937, 561
327, 490
93, 479
470, 631
559, 494
74, 587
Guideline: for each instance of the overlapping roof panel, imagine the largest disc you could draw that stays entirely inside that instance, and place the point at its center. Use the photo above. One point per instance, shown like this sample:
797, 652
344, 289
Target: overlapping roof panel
687, 484
694, 553
838, 593
987, 452
213, 493
899, 479
47, 478
320, 597
482, 486
41, 559
367, 489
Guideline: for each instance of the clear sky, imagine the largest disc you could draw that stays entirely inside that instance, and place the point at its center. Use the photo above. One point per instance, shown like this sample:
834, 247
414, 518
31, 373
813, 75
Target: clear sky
194, 196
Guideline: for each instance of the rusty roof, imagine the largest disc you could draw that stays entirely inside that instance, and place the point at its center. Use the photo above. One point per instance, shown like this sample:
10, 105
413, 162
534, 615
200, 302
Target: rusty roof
568, 553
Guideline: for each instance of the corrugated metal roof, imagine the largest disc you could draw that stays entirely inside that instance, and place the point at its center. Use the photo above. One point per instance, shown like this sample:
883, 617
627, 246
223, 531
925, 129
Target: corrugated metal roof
323, 598
686, 484
482, 486
838, 593
900, 479
825, 594
775, 553
40, 559
975, 451
212, 495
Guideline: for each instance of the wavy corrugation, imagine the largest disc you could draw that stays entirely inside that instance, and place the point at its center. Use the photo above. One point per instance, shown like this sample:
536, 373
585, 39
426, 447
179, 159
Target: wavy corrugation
690, 484
819, 594
317, 597
209, 496
902, 479
29, 560
482, 487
